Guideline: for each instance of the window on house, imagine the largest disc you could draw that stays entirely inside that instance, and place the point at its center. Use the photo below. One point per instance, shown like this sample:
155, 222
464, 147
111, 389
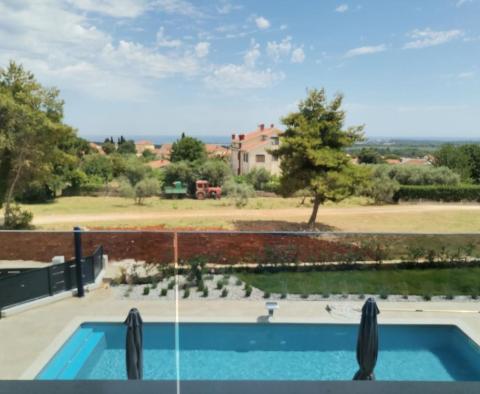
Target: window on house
264, 137
245, 157
260, 158
275, 141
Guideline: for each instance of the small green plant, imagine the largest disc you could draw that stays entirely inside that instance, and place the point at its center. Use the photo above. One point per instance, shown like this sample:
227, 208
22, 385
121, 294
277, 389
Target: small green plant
208, 277
226, 277
325, 295
238, 282
220, 284
186, 293
427, 297
383, 295
449, 297
205, 292
248, 290
126, 294
283, 296
154, 284
266, 294
171, 284
405, 296
361, 296
474, 296
200, 286
163, 292
146, 290
344, 296
224, 292
305, 296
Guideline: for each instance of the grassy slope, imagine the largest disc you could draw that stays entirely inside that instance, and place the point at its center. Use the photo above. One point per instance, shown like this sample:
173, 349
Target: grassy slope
441, 221
455, 281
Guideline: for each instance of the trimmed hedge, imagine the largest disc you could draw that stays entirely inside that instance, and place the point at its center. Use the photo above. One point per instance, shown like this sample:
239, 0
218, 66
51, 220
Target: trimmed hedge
447, 193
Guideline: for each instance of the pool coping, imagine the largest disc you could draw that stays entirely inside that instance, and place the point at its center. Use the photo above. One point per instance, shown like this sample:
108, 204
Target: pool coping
48, 353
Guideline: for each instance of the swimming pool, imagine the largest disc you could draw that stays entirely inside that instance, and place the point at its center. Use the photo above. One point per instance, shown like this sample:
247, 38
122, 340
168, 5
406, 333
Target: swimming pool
220, 351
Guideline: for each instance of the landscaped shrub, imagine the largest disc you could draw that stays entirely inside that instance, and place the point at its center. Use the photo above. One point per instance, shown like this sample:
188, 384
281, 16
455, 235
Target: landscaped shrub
383, 295
163, 292
444, 193
325, 295
146, 290
205, 291
305, 295
266, 294
283, 296
171, 285
224, 292
186, 293
238, 282
248, 290
427, 297
200, 285
220, 284
18, 218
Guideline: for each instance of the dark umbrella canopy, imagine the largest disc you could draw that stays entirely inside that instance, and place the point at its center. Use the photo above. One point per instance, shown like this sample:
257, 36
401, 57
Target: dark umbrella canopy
367, 343
134, 344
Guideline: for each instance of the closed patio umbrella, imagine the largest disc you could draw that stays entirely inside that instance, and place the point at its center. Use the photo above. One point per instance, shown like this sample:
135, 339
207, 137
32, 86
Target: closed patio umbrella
367, 343
134, 344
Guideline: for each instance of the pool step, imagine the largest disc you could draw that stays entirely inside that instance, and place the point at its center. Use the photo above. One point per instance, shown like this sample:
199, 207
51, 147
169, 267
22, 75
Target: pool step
68, 362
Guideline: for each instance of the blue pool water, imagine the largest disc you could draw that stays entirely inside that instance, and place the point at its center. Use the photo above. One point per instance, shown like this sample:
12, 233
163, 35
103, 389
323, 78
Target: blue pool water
267, 352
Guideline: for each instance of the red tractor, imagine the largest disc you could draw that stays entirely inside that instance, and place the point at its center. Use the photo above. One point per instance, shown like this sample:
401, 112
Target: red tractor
203, 191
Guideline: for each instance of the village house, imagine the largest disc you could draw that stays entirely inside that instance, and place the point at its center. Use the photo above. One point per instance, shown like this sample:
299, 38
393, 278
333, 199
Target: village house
213, 151
251, 150
143, 145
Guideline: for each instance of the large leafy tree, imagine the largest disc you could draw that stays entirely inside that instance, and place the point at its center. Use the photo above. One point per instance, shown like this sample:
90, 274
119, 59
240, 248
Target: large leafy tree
31, 134
463, 159
312, 152
188, 149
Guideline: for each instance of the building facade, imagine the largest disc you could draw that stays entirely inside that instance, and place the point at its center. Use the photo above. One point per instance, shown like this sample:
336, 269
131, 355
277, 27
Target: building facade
251, 150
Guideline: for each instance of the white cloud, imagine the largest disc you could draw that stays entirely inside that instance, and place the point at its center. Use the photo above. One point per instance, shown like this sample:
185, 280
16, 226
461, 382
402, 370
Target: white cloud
262, 23
147, 62
298, 55
428, 38
277, 50
181, 7
463, 2
466, 75
283, 27
366, 50
225, 7
164, 41
243, 76
342, 8
232, 76
202, 49
251, 56
114, 8
73, 53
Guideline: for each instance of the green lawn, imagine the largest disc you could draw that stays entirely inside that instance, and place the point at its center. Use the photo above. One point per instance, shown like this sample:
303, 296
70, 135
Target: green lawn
455, 281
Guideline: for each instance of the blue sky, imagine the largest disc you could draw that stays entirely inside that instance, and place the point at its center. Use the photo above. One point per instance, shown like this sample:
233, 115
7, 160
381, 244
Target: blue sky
150, 67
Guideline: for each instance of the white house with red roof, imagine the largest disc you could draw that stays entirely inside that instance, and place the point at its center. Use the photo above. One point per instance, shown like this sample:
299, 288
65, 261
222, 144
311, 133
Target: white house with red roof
251, 150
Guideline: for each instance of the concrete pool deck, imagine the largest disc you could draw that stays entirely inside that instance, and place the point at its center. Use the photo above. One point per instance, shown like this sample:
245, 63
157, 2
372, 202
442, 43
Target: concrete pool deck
29, 339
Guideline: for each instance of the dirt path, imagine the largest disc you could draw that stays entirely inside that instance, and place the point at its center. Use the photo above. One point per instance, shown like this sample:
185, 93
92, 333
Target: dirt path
231, 213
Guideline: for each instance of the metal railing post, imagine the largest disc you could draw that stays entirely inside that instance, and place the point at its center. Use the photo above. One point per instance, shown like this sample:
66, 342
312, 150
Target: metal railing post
77, 233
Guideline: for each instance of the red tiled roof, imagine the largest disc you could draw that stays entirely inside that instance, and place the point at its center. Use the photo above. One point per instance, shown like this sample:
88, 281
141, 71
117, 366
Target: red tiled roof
143, 142
158, 163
